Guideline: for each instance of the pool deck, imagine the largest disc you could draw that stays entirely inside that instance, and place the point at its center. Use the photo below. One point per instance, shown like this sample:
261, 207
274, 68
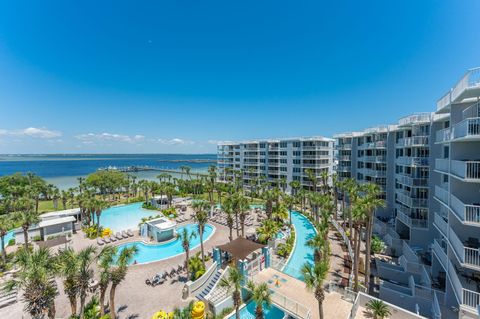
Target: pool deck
334, 305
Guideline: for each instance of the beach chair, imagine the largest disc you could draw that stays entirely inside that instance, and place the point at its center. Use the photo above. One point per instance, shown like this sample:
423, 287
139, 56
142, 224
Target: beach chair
119, 236
124, 234
100, 241
106, 240
130, 233
113, 239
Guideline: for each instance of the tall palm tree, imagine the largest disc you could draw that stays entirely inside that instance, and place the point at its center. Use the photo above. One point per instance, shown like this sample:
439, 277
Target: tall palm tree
261, 295
106, 259
118, 272
378, 309
314, 277
185, 239
229, 207
267, 230
313, 178
243, 208
372, 202
37, 280
85, 273
201, 218
26, 216
233, 283
6, 224
67, 268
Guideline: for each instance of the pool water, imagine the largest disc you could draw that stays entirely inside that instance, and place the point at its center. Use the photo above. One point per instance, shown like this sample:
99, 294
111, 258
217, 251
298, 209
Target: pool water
304, 231
154, 252
248, 312
8, 236
125, 217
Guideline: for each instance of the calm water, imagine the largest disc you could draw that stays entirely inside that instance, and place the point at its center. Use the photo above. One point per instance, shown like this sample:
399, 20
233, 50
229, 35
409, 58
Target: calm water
124, 217
149, 253
248, 312
304, 231
63, 170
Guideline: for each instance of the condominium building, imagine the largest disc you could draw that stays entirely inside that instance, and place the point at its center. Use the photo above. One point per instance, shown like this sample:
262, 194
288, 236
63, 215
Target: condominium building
275, 161
428, 165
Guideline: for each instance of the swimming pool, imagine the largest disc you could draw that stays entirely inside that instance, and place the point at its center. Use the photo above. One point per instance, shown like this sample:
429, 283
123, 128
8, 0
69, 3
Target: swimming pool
8, 236
304, 230
125, 217
248, 312
153, 252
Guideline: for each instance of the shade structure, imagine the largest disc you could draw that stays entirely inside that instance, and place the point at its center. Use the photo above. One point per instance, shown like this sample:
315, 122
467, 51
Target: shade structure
240, 248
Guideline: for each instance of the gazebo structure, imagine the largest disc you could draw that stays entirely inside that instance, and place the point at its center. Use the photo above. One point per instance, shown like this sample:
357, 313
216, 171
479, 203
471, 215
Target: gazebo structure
249, 256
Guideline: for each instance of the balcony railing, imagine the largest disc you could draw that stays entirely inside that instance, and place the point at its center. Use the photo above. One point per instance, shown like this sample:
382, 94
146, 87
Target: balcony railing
469, 170
412, 161
413, 141
440, 252
344, 146
467, 128
441, 224
443, 135
466, 255
414, 119
469, 81
441, 164
412, 222
472, 111
344, 168
468, 213
441, 194
411, 202
410, 181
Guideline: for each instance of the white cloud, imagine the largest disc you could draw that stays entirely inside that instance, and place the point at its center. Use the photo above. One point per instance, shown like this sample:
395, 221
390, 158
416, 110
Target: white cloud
175, 141
34, 132
90, 138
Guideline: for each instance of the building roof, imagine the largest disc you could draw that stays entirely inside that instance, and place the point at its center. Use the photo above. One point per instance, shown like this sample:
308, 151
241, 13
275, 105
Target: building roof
56, 221
277, 140
240, 248
66, 212
162, 223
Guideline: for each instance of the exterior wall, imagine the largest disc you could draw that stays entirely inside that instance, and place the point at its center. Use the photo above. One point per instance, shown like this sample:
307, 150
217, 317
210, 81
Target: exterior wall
57, 230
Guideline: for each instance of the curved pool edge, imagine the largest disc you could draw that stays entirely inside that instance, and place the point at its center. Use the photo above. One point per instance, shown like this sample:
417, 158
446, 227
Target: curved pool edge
162, 259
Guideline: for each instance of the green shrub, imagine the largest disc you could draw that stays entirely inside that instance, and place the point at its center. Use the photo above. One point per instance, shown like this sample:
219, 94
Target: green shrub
377, 245
170, 211
11, 242
37, 238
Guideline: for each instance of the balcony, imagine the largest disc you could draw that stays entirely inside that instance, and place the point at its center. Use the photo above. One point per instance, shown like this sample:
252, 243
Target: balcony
344, 168
468, 298
443, 135
465, 88
412, 161
468, 129
440, 252
442, 195
415, 119
467, 213
469, 171
373, 145
412, 141
441, 165
410, 181
345, 158
411, 202
374, 159
412, 222
441, 224
344, 146
467, 252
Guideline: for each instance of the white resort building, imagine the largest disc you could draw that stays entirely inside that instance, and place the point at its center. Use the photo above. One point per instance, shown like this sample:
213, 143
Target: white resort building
428, 165
277, 161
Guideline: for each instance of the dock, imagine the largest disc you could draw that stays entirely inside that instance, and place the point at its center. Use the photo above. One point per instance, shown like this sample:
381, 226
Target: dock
135, 169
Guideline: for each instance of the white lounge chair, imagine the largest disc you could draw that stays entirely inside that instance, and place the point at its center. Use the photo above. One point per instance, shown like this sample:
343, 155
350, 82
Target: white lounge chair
118, 236
124, 234
130, 233
113, 239
100, 242
106, 240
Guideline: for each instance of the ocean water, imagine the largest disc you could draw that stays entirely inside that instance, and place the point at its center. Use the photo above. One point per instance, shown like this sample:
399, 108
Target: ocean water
63, 170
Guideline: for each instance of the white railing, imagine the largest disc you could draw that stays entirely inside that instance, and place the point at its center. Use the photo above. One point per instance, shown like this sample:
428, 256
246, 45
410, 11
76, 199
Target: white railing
409, 253
442, 194
470, 298
441, 224
412, 141
410, 181
411, 202
291, 306
441, 164
468, 213
466, 128
470, 80
443, 135
466, 169
191, 286
412, 161
471, 111
466, 297
442, 256
415, 118
444, 101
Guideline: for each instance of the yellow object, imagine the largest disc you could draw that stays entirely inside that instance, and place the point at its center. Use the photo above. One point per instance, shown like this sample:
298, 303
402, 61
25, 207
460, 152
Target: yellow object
171, 315
106, 232
277, 283
160, 315
198, 310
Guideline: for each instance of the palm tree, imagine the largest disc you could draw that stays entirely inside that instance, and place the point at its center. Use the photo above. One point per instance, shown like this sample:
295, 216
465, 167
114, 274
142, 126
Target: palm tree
233, 283
229, 207
118, 272
201, 217
261, 295
243, 208
372, 202
313, 178
85, 257
318, 244
26, 216
106, 259
37, 280
6, 224
314, 277
186, 238
67, 268
378, 309
267, 230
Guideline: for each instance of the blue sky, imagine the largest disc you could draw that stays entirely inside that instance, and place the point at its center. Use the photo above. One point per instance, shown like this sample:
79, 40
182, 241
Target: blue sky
177, 76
